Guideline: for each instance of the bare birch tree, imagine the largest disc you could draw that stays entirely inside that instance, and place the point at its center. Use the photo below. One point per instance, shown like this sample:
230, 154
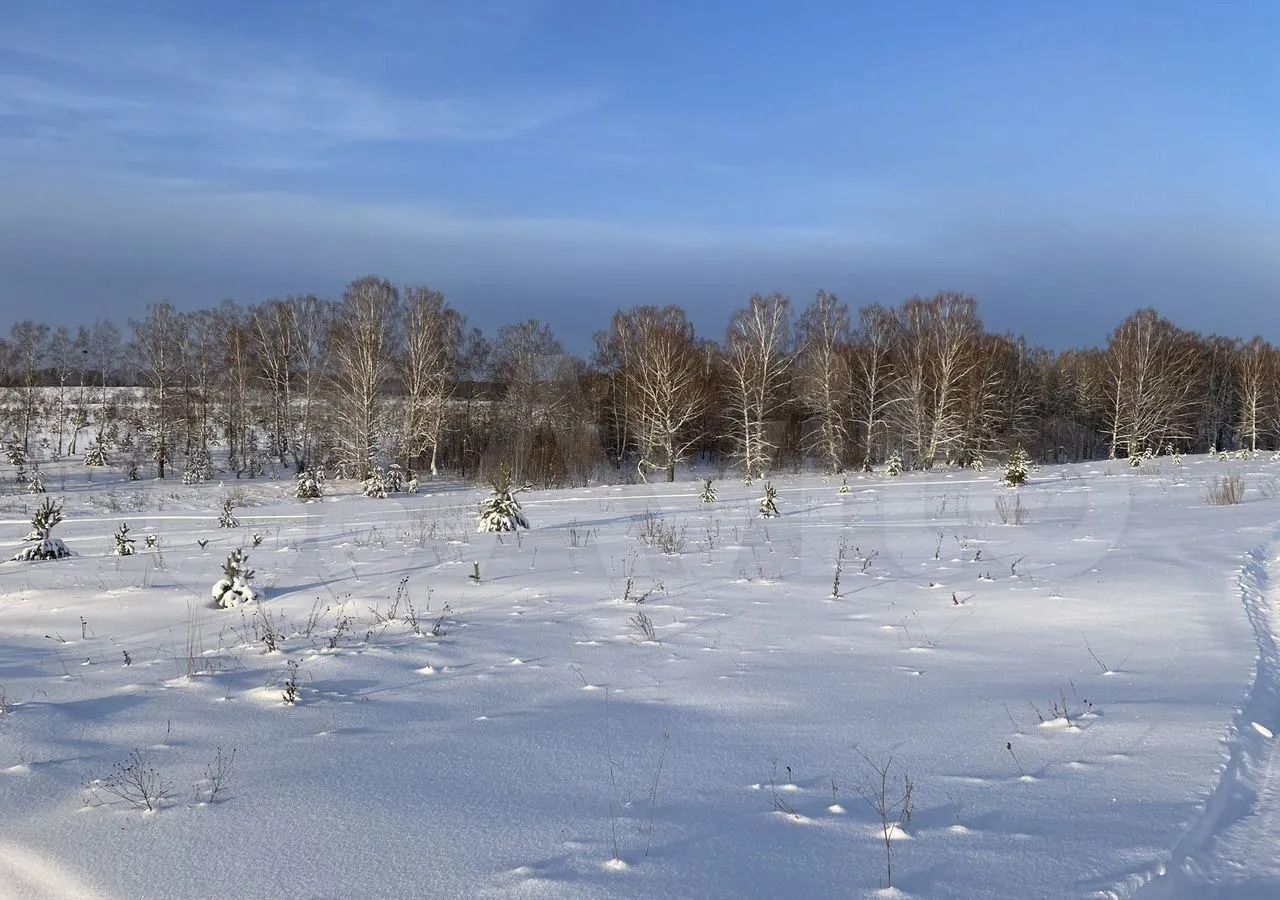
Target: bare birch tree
359, 350
824, 379
758, 360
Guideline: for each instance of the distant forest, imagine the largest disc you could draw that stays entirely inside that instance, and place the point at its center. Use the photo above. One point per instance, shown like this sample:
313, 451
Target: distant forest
395, 376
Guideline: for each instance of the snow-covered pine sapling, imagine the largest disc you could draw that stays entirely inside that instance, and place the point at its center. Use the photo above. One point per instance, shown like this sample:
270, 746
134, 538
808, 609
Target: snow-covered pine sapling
150, 541
228, 517
768, 503
14, 453
844, 485
501, 511
309, 485
376, 485
394, 478
1018, 468
95, 457
1135, 460
893, 468
124, 543
233, 587
1177, 458
199, 468
42, 544
35, 483
708, 493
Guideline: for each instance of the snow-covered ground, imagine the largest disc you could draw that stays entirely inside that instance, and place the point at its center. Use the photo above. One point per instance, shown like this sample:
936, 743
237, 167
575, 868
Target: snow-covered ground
539, 746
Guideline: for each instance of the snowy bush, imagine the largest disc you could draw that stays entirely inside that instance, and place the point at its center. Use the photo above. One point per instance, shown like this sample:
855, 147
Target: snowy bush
43, 544
501, 511
768, 503
233, 587
95, 456
124, 543
308, 487
1018, 468
708, 492
893, 468
1225, 491
228, 517
844, 485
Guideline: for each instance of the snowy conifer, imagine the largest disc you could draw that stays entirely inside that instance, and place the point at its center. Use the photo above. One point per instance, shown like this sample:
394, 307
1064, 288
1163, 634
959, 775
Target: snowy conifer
200, 468
844, 485
376, 484
1018, 468
233, 587
95, 457
35, 484
501, 511
1135, 460
43, 544
394, 478
768, 503
308, 487
893, 468
1177, 458
708, 493
124, 543
15, 454
228, 518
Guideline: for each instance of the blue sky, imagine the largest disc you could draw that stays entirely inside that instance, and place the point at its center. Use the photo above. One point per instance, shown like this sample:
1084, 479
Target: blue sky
1065, 163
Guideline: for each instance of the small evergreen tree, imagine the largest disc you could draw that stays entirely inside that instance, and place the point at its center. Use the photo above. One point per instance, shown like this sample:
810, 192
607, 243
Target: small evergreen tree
200, 468
228, 518
124, 543
35, 484
1135, 461
43, 545
308, 487
394, 478
233, 587
844, 485
15, 454
893, 468
501, 511
1018, 469
376, 484
95, 457
708, 493
768, 503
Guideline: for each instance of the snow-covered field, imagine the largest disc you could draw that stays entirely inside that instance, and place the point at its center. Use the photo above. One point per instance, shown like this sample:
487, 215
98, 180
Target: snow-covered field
538, 746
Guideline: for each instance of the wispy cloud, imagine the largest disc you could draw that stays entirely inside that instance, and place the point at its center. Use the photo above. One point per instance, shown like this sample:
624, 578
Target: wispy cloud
242, 108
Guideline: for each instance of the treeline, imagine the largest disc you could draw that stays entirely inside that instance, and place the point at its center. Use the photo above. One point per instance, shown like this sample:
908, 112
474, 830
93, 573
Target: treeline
387, 374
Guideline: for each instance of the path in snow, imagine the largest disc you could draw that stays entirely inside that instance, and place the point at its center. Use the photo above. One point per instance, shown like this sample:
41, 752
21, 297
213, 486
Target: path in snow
1230, 850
